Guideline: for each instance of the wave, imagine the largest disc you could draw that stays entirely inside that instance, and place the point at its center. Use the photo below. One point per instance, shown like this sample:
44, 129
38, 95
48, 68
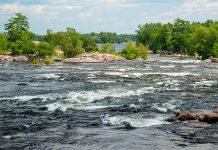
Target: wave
141, 122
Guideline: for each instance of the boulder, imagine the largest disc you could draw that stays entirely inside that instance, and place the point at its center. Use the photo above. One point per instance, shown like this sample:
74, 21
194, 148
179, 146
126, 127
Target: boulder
184, 116
208, 117
94, 58
202, 117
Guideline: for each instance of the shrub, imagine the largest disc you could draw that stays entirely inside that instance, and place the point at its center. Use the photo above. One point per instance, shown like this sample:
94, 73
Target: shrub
35, 62
131, 51
44, 49
48, 61
107, 48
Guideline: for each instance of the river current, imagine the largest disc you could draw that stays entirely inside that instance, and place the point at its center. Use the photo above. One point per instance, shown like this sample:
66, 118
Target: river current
89, 106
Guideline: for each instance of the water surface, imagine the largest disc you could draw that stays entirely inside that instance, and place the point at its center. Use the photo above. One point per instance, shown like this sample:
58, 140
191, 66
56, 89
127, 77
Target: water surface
87, 106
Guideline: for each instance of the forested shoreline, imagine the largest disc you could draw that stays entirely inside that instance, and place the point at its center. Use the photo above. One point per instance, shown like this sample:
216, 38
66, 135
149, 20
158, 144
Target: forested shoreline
179, 37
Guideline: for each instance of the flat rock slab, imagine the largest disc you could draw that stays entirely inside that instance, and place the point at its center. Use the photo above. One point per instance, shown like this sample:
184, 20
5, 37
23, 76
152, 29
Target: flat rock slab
94, 58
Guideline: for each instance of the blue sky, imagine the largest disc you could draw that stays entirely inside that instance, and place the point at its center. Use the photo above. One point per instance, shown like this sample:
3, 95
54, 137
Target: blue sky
121, 16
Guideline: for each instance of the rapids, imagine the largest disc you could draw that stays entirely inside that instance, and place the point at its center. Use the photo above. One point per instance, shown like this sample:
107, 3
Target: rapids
87, 106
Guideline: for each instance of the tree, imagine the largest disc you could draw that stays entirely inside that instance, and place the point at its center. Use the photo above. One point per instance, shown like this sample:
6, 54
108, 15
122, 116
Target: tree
215, 50
17, 27
44, 49
107, 48
131, 51
3, 43
203, 39
89, 45
180, 35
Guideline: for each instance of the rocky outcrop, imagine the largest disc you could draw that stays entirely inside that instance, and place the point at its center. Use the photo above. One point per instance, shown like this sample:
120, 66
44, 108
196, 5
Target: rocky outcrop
13, 58
6, 58
94, 58
21, 58
202, 117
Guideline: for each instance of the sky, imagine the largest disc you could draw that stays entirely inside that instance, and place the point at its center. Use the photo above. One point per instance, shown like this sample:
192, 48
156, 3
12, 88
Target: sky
120, 16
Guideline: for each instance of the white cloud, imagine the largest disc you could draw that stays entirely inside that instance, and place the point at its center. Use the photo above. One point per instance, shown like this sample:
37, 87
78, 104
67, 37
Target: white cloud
194, 10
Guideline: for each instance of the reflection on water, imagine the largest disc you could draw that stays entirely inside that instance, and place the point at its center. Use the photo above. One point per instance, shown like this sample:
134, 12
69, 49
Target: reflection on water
92, 106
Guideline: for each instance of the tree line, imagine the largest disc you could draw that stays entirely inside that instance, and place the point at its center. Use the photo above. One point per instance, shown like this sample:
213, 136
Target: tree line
19, 40
182, 37
110, 37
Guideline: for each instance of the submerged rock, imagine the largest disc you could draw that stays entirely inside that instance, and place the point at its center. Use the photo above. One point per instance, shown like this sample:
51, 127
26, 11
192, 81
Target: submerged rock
94, 58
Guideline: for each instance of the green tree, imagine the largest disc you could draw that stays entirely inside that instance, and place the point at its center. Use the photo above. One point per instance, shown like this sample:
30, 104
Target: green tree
89, 45
107, 48
131, 51
180, 35
203, 39
17, 27
3, 43
44, 49
215, 50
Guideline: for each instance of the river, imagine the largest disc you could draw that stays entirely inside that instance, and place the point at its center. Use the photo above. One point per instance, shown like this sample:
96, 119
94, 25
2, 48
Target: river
89, 106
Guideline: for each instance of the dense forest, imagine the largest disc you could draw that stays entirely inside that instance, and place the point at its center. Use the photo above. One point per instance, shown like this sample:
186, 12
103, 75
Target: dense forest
181, 37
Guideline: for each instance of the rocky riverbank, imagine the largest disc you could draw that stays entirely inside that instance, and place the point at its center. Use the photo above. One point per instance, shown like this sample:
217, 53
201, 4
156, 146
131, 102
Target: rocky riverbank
13, 58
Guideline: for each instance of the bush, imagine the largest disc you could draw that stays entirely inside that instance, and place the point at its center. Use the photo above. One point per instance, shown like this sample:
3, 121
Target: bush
107, 48
44, 49
35, 62
48, 61
71, 51
3, 42
215, 50
131, 51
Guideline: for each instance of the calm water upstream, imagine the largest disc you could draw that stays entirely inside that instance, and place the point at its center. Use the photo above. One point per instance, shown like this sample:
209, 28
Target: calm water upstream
87, 106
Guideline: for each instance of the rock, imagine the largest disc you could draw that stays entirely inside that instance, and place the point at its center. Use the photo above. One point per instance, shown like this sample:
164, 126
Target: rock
214, 60
209, 117
11, 58
94, 58
6, 58
127, 125
21, 58
22, 84
184, 116
207, 60
202, 117
215, 110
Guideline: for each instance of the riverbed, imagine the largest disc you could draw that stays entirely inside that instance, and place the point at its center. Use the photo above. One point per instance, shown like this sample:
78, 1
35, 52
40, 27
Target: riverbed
89, 106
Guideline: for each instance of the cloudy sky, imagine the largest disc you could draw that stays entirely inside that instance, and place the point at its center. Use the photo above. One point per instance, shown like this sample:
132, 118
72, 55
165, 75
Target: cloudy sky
121, 16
